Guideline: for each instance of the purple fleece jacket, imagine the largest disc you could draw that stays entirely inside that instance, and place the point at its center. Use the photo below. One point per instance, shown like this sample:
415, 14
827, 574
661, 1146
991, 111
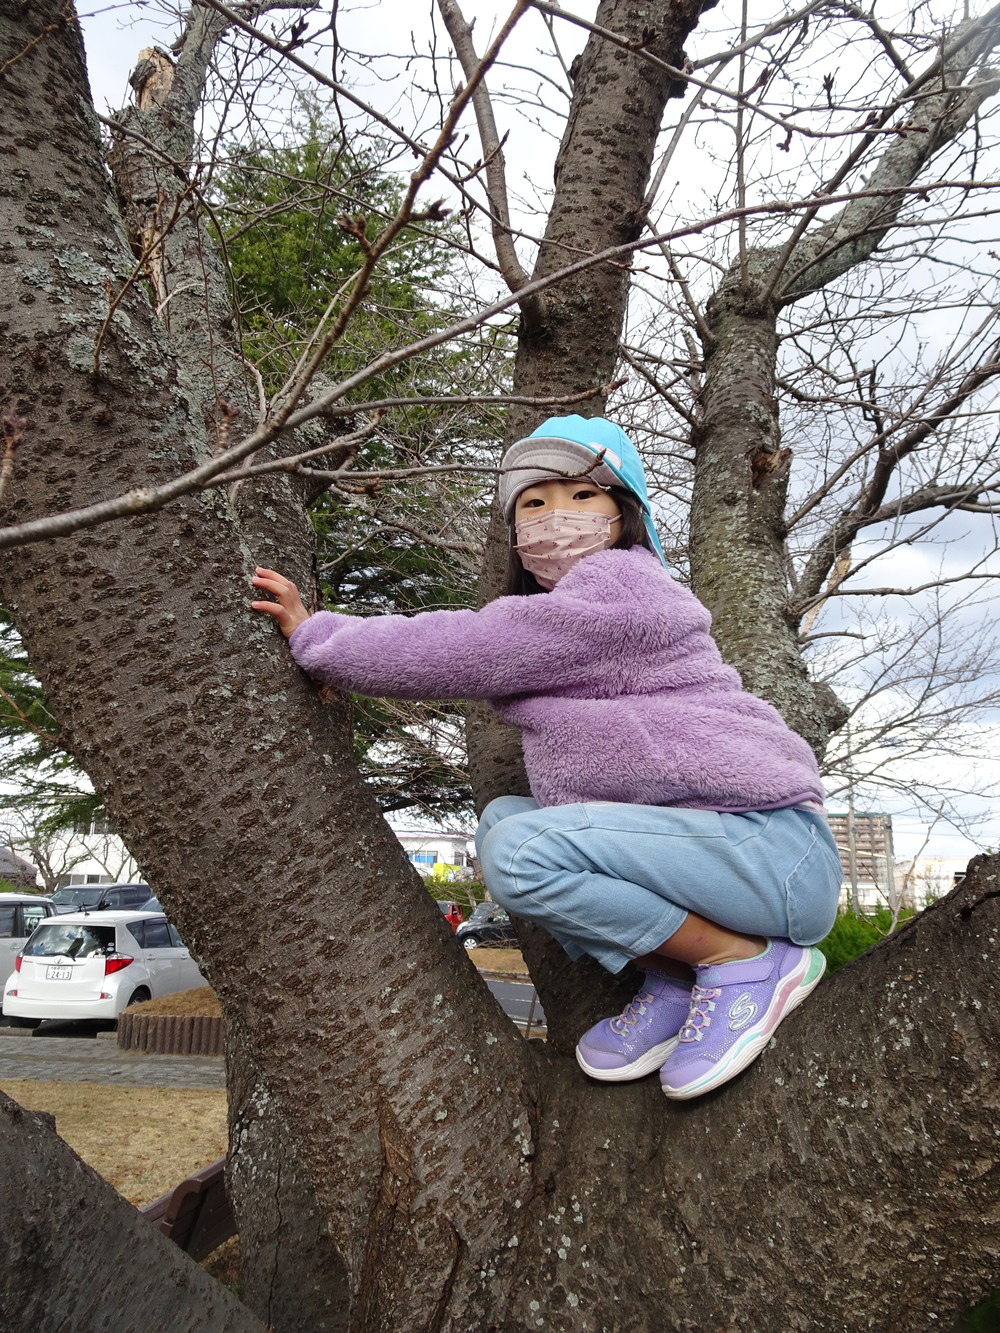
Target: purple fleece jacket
613, 678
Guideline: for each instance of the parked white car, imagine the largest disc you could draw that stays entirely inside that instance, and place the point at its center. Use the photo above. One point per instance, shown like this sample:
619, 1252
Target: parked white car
95, 964
20, 913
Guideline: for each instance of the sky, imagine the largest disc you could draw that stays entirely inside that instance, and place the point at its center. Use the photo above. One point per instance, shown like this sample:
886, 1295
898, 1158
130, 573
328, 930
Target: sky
115, 33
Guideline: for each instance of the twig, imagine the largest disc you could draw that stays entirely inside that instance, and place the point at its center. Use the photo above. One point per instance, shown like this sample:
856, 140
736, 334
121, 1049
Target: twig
464, 400
686, 76
27, 722
428, 538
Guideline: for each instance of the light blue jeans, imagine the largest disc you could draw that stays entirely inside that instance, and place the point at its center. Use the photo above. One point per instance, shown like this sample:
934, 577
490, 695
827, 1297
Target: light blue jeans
615, 881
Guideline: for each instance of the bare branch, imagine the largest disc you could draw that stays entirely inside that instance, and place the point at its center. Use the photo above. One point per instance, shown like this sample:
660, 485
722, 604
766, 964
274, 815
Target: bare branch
868, 509
492, 145
147, 499
855, 232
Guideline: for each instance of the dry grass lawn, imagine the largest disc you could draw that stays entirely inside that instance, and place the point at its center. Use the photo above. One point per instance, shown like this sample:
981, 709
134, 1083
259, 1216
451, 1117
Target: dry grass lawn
144, 1141
200, 1003
499, 960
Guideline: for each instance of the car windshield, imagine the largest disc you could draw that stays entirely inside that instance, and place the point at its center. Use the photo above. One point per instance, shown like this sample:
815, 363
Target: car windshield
55, 939
77, 896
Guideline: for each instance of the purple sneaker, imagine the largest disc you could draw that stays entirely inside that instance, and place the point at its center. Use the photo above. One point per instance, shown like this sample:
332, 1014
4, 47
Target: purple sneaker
735, 1008
641, 1037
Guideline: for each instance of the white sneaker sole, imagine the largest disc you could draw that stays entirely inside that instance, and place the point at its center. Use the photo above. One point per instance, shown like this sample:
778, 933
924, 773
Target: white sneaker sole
655, 1058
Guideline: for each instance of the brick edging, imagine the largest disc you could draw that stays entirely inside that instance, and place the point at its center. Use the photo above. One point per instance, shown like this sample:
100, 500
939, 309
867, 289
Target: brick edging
171, 1034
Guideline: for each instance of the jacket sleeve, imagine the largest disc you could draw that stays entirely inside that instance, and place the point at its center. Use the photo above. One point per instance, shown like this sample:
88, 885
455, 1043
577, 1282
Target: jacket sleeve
514, 645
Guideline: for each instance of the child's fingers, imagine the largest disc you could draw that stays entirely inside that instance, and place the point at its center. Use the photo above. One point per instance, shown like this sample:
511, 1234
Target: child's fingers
286, 592
288, 611
272, 608
272, 576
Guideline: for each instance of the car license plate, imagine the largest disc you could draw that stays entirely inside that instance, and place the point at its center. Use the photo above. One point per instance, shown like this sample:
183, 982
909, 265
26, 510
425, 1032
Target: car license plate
58, 973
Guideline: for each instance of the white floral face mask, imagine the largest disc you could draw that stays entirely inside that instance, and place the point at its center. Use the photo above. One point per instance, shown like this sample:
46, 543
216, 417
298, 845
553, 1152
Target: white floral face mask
550, 544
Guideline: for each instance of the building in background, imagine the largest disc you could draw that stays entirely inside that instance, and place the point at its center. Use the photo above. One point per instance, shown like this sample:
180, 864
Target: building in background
16, 871
89, 853
924, 879
439, 854
864, 840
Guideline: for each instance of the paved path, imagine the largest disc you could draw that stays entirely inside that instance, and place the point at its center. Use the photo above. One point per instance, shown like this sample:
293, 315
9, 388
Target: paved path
90, 1057
69, 1060
518, 1001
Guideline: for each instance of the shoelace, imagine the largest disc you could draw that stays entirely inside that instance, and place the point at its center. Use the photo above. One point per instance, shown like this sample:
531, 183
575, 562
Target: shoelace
699, 1017
632, 1012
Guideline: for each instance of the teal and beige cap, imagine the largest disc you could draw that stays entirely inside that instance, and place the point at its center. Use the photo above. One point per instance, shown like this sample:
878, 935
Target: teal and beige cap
576, 446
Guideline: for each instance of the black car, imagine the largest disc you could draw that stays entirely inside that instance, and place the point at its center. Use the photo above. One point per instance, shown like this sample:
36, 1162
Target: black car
99, 897
488, 924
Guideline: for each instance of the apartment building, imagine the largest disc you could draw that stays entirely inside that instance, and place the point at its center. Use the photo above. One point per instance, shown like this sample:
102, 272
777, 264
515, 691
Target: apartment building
864, 840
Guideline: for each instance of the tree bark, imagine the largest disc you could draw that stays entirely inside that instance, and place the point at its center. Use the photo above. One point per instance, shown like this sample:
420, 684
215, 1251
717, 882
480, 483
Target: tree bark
291, 1275
76, 1255
151, 165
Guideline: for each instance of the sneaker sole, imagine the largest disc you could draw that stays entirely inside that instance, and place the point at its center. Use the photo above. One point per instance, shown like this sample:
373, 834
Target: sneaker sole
788, 995
655, 1058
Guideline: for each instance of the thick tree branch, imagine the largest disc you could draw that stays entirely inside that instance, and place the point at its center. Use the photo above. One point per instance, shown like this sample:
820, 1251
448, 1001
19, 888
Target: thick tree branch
48, 1285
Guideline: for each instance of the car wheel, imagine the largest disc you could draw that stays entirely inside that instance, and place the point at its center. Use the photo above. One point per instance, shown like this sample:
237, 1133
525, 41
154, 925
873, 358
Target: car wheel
137, 996
471, 942
24, 1022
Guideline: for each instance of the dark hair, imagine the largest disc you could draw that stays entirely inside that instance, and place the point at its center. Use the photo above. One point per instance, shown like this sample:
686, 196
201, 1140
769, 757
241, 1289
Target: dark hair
633, 533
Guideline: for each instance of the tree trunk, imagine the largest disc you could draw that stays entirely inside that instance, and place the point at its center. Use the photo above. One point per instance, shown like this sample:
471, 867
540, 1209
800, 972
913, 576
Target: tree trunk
601, 175
737, 549
234, 785
291, 1275
151, 166
739, 556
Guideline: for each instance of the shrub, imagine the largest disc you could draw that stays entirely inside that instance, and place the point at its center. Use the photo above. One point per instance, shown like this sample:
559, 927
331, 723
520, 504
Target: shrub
852, 935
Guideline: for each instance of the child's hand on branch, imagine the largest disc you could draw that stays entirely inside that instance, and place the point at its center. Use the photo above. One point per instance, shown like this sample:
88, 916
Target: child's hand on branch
288, 610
